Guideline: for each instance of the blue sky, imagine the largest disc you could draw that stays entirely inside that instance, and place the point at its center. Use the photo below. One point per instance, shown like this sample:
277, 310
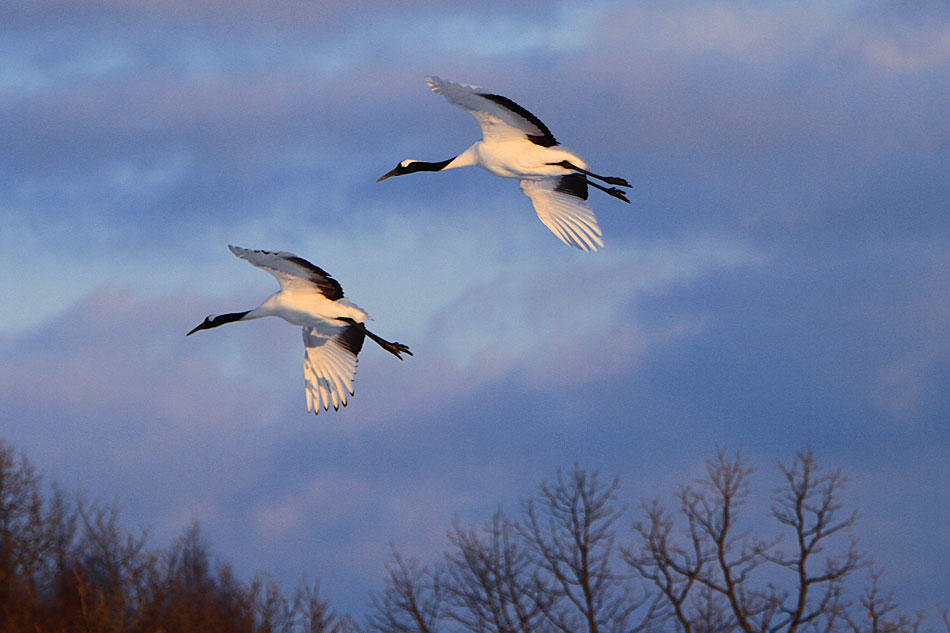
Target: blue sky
781, 279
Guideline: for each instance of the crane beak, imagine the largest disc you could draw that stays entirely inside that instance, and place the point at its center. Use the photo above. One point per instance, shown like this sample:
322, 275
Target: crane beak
394, 172
201, 326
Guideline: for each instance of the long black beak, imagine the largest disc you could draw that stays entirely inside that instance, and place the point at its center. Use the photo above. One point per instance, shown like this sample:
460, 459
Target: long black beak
204, 325
387, 175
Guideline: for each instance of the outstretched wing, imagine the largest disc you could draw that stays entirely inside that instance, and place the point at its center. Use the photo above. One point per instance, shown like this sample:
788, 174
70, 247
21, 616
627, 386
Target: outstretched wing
498, 116
561, 203
329, 364
291, 270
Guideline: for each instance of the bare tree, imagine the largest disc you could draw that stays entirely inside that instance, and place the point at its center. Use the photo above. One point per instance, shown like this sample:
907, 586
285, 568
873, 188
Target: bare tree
720, 578
879, 612
69, 565
808, 504
695, 579
274, 610
703, 568
413, 600
37, 541
303, 611
570, 530
491, 584
21, 520
110, 567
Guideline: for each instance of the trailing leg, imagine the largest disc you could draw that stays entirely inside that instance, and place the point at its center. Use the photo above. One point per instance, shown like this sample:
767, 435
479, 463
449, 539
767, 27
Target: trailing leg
610, 180
613, 191
396, 349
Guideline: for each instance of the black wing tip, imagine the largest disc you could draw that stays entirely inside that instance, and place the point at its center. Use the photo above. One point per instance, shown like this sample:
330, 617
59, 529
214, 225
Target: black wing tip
545, 139
329, 286
241, 252
326, 406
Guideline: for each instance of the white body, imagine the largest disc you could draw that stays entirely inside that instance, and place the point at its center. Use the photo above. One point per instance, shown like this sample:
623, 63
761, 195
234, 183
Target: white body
517, 158
307, 307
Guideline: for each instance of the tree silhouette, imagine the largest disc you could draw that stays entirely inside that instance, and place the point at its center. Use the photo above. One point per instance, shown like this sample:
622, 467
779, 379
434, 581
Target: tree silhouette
412, 601
71, 566
704, 568
569, 528
490, 581
721, 578
68, 564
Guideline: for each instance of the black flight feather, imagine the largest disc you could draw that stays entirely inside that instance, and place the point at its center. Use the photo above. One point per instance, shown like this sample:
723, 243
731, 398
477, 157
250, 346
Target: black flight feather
329, 287
545, 139
573, 185
352, 337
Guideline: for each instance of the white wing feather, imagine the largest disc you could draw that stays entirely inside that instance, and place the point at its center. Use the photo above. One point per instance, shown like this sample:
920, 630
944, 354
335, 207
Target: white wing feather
329, 367
568, 217
497, 122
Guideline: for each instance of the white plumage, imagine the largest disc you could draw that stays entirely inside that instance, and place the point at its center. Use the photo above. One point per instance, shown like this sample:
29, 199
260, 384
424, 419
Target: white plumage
516, 144
333, 327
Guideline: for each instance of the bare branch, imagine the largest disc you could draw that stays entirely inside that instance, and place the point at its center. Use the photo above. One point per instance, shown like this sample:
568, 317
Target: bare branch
570, 530
490, 584
412, 601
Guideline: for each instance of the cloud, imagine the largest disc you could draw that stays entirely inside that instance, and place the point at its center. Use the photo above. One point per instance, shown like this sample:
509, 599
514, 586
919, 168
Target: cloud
900, 498
777, 282
906, 380
905, 49
756, 35
583, 312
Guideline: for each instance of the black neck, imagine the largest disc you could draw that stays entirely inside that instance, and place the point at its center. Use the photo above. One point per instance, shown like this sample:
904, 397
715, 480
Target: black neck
221, 319
421, 165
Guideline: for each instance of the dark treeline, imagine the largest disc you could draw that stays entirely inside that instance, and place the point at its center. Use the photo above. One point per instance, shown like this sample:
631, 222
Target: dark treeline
68, 565
562, 564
